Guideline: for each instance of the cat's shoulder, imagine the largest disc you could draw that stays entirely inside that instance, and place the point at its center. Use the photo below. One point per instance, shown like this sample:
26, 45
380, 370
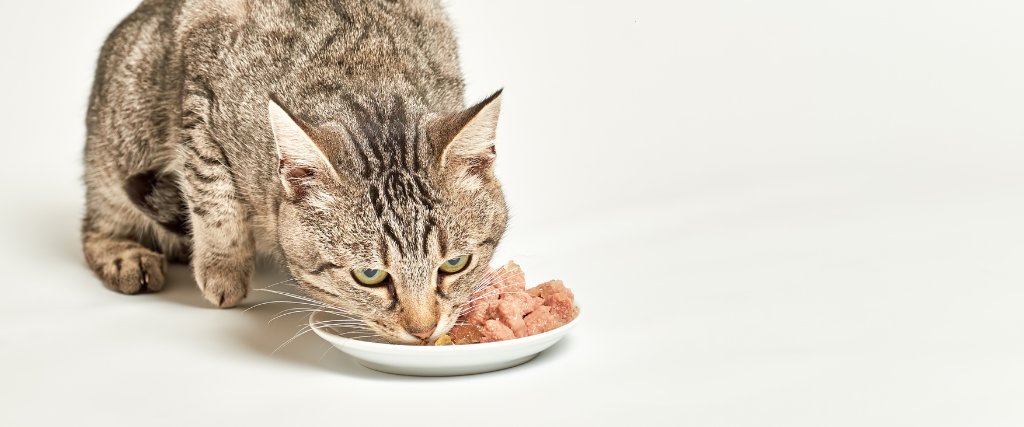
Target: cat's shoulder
196, 14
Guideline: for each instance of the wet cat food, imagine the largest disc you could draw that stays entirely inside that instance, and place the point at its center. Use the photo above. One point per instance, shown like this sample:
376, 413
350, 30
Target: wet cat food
503, 309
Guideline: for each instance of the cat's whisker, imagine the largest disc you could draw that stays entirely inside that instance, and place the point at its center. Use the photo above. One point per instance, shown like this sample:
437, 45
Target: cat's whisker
284, 302
301, 332
346, 329
470, 307
348, 324
341, 321
299, 310
485, 295
488, 281
349, 335
294, 310
311, 306
493, 275
325, 353
303, 298
485, 287
278, 283
298, 334
361, 338
345, 325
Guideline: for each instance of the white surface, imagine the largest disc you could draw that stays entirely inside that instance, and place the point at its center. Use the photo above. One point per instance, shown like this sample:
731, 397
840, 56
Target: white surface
433, 361
777, 213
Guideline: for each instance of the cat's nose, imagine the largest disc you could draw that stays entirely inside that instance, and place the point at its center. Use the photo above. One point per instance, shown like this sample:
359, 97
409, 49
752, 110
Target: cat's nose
423, 335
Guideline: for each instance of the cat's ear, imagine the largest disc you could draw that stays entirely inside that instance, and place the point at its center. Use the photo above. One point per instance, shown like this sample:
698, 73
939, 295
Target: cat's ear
468, 139
302, 161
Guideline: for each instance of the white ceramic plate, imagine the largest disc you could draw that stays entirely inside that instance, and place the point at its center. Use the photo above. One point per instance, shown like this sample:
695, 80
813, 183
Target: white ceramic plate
435, 361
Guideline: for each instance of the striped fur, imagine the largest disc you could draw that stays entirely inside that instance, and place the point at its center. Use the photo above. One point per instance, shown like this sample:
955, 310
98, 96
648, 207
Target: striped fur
329, 135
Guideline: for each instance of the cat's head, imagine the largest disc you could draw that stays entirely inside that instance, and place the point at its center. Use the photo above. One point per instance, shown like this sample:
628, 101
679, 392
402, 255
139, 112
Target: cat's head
389, 213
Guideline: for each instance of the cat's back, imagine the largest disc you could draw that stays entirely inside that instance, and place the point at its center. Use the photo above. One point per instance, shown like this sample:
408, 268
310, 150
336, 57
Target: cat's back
361, 42
361, 38
309, 51
315, 47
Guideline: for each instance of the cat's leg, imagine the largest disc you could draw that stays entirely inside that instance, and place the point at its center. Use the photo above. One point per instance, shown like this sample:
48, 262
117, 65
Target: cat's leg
222, 244
113, 249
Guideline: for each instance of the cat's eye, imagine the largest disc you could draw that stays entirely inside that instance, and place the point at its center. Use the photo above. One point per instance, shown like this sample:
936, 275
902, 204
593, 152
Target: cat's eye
455, 265
370, 276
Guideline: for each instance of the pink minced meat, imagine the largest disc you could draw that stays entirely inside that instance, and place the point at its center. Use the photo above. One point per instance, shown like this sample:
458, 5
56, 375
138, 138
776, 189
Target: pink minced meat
504, 309
561, 307
509, 315
539, 321
494, 330
522, 300
547, 289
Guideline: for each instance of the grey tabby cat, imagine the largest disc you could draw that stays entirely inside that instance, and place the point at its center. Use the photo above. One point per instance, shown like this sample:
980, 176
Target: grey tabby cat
331, 135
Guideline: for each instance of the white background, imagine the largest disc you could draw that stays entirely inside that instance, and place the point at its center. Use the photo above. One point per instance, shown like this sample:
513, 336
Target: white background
775, 213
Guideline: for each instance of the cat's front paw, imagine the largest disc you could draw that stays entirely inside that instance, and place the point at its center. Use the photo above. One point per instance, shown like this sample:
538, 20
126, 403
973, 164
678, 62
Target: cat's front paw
132, 270
224, 289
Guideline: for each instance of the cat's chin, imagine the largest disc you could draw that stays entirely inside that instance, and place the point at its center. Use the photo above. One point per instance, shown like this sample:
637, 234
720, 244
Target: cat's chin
412, 340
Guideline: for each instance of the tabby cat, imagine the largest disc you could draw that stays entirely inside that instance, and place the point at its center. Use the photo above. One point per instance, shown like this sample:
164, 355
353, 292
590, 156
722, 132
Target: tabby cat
330, 135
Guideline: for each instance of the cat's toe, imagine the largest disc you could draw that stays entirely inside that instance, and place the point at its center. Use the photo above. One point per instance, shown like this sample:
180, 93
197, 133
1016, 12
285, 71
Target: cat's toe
134, 270
225, 293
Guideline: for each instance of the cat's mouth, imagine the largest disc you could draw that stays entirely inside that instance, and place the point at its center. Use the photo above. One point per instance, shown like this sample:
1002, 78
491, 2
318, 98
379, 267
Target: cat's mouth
401, 335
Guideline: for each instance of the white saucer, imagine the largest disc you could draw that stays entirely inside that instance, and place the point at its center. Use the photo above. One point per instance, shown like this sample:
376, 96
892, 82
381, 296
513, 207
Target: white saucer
435, 361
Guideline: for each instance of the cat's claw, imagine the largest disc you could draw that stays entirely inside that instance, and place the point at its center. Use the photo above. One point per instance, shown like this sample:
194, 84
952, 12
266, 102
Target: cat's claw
133, 271
225, 292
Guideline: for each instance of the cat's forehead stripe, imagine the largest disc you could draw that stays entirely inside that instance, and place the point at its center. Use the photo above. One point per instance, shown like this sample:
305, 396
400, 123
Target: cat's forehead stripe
387, 141
384, 135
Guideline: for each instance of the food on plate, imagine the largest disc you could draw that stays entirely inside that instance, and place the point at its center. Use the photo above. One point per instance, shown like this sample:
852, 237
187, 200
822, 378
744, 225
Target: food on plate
503, 309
